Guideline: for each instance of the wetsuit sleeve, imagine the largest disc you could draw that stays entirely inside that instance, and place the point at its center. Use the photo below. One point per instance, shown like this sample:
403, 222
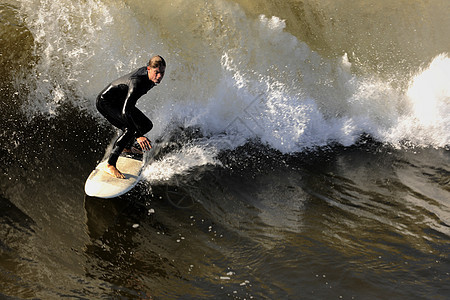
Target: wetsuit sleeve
129, 104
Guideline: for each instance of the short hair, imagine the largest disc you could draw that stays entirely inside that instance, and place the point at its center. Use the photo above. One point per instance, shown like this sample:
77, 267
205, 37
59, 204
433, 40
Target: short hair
156, 62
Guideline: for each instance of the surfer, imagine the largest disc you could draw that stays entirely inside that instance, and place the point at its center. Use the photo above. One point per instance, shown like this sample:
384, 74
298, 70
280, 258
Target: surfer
117, 104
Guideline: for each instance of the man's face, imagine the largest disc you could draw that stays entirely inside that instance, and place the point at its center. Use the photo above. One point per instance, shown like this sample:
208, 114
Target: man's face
156, 74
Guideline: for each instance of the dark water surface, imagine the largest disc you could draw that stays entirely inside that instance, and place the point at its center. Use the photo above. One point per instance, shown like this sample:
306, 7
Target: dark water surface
364, 222
295, 178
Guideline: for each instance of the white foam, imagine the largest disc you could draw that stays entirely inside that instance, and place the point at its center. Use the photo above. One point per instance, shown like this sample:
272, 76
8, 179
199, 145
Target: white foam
235, 77
180, 162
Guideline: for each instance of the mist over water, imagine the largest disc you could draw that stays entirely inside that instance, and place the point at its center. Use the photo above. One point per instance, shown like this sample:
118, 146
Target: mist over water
311, 136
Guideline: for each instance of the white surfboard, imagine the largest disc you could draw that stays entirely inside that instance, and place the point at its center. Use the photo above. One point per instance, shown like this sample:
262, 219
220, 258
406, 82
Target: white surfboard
103, 185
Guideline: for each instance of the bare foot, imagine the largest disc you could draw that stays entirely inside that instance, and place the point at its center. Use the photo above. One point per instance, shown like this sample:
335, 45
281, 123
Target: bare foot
110, 169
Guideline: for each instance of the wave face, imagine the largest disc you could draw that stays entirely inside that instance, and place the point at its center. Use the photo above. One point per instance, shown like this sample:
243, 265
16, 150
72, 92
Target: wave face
240, 76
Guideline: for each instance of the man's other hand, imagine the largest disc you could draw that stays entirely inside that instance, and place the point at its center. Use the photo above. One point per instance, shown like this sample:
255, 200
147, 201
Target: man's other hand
144, 143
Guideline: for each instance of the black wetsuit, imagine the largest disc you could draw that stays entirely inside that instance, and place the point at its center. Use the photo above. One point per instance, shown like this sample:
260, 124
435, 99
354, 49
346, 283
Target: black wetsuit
117, 104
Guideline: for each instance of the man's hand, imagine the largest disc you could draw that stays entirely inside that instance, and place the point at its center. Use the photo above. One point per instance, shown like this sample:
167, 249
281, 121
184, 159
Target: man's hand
144, 143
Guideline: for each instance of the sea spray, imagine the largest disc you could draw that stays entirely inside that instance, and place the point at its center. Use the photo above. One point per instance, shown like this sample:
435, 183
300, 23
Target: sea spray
80, 47
236, 78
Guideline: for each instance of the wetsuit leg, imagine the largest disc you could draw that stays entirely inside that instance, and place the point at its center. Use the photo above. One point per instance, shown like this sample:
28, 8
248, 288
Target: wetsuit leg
114, 116
129, 135
123, 141
144, 124
111, 113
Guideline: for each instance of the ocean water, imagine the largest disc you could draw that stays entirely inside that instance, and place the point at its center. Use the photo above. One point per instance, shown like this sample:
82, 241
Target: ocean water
301, 150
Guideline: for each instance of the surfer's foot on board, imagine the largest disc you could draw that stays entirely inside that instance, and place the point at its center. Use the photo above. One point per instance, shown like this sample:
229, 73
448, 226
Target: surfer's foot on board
112, 170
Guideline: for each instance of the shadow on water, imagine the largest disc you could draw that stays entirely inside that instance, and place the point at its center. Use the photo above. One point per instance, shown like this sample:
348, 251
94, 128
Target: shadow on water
128, 241
111, 250
13, 217
15, 227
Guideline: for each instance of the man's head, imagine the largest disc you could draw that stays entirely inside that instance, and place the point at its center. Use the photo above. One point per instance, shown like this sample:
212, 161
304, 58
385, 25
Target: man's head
156, 68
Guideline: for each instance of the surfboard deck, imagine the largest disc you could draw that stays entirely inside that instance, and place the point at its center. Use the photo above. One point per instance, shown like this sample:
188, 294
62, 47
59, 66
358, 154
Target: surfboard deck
103, 185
